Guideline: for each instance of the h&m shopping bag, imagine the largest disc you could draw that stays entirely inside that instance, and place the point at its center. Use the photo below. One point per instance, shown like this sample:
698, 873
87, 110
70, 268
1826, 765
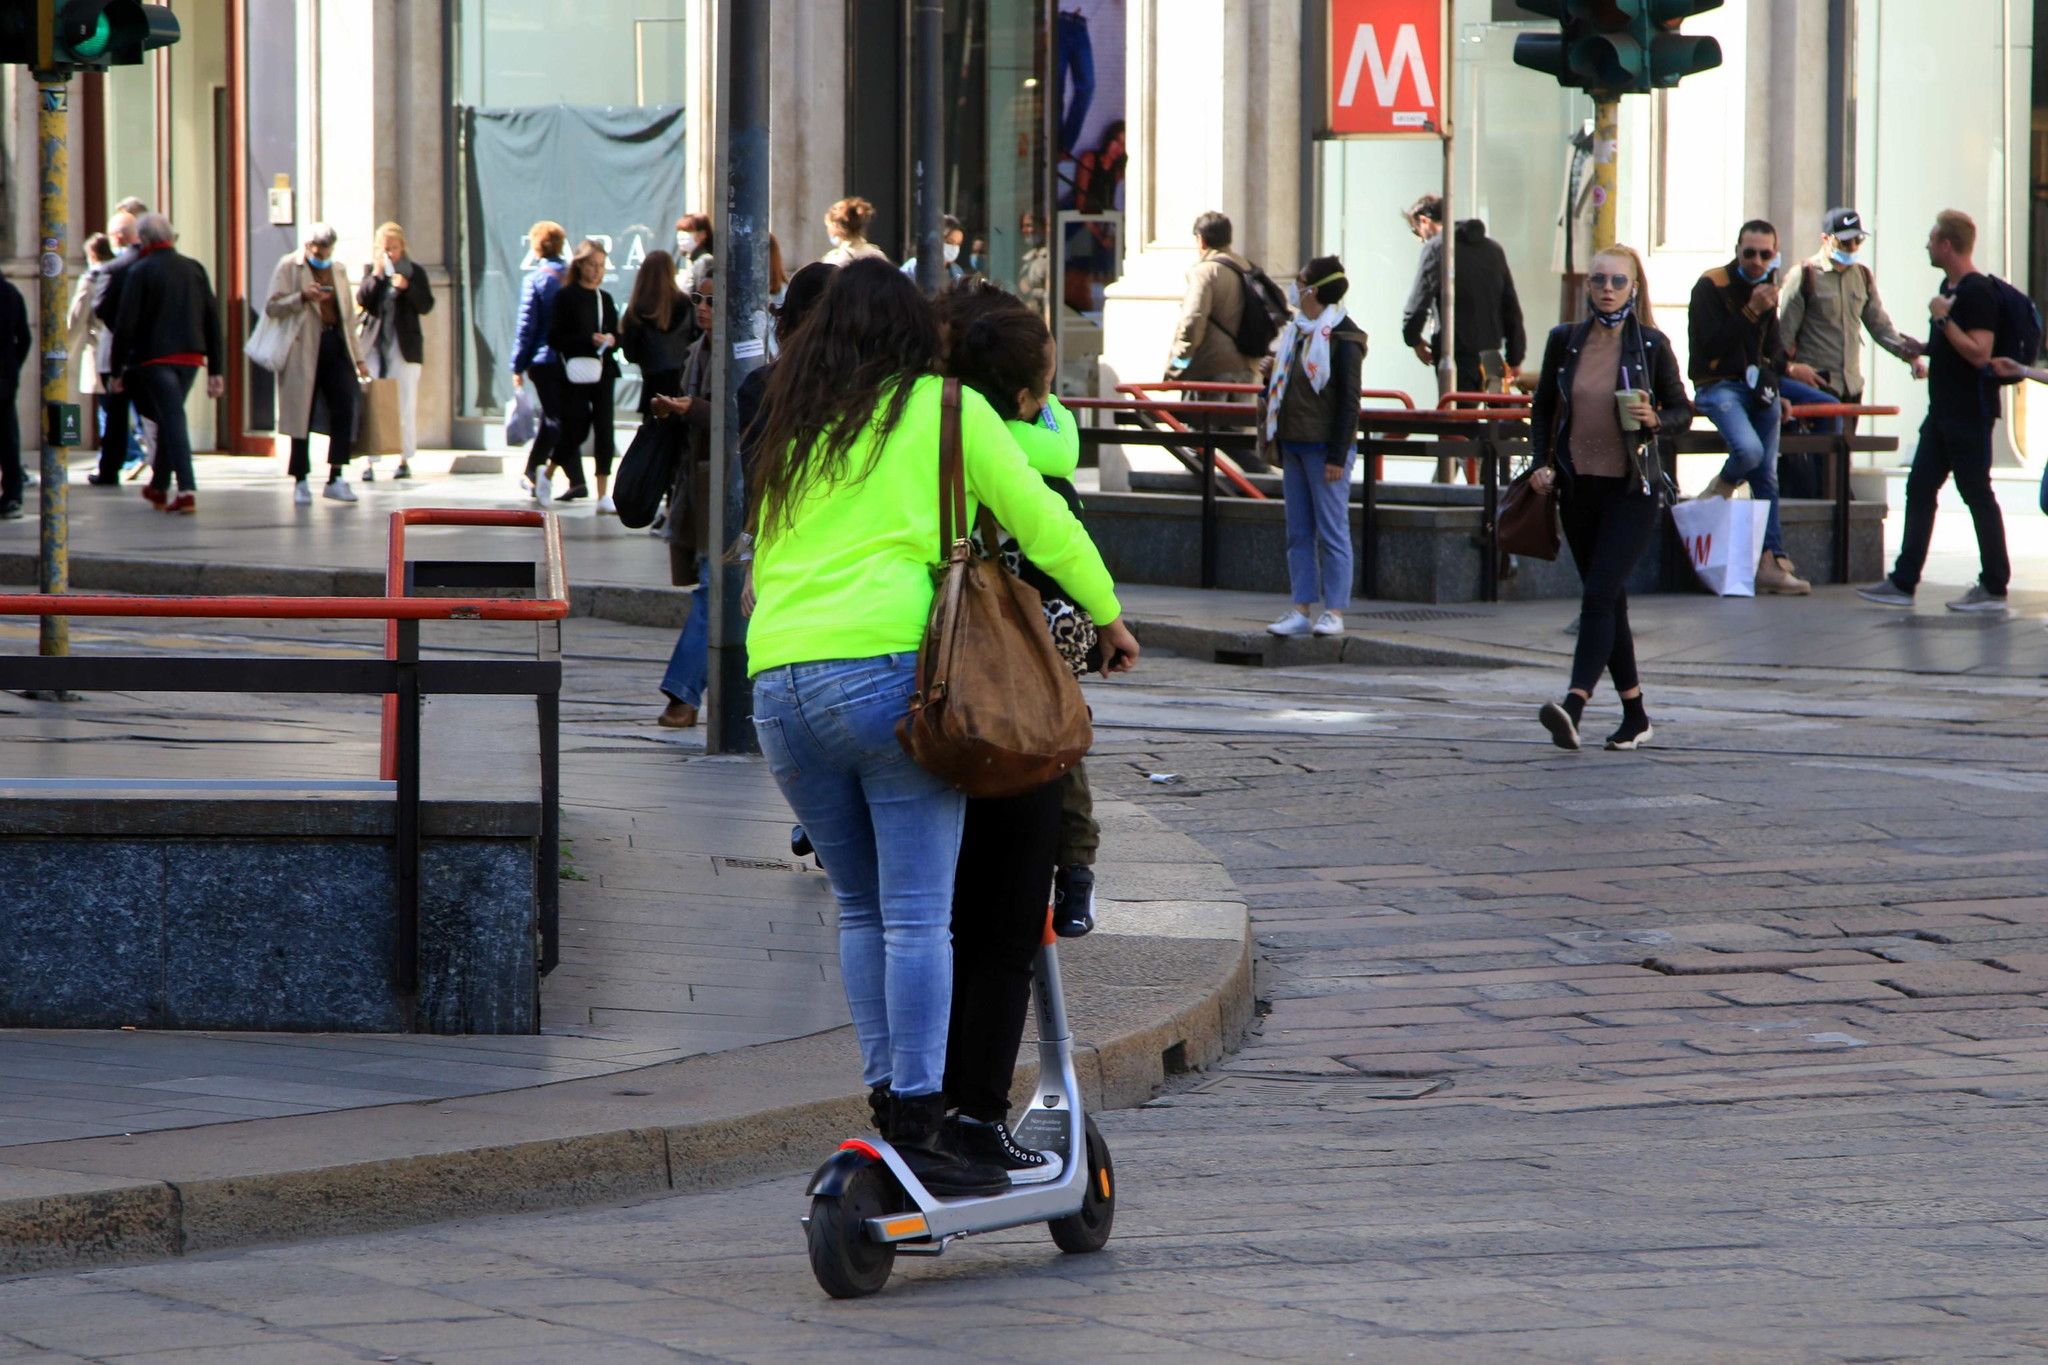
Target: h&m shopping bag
1724, 538
377, 429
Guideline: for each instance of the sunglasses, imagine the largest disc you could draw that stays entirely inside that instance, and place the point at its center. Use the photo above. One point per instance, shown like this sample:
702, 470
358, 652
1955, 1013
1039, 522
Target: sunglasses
1750, 253
1609, 281
700, 296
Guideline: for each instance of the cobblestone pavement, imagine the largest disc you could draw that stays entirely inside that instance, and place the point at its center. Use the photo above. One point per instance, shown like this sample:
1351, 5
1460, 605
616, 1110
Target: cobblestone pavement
1729, 1050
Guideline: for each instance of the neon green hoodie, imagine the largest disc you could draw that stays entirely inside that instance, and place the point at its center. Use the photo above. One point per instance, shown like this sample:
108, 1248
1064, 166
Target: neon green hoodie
849, 576
1055, 450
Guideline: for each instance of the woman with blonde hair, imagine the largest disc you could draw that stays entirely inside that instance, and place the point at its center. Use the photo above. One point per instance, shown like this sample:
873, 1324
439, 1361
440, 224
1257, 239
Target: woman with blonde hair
584, 336
848, 221
394, 295
1609, 386
532, 358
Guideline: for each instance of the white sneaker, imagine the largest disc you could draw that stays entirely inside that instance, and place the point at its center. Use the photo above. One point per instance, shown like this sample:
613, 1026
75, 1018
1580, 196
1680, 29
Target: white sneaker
338, 490
526, 483
1295, 622
1979, 601
544, 490
607, 506
1330, 623
302, 494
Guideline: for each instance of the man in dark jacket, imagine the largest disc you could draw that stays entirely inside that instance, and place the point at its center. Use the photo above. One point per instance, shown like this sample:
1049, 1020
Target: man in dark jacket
1737, 354
17, 343
167, 328
1490, 341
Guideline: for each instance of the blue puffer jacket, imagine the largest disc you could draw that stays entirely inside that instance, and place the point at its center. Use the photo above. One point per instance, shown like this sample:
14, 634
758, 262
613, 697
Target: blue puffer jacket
536, 314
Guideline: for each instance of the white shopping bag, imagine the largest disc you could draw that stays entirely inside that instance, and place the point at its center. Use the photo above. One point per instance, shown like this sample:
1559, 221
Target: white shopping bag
1724, 538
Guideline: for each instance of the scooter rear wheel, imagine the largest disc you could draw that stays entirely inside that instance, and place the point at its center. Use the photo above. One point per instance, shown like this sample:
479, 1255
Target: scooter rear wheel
1088, 1229
848, 1262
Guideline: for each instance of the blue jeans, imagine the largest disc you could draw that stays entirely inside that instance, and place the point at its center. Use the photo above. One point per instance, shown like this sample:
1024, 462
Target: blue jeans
1802, 476
1074, 77
690, 662
1318, 525
888, 833
1751, 431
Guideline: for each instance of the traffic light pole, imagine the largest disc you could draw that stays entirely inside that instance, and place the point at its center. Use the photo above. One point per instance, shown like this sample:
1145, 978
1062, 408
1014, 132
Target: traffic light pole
54, 156
1606, 142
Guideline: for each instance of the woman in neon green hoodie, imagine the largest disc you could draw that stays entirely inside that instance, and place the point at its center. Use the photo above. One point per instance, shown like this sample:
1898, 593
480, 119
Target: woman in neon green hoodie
844, 491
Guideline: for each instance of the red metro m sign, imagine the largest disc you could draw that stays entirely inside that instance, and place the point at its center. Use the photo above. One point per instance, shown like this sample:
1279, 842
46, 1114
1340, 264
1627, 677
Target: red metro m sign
1387, 67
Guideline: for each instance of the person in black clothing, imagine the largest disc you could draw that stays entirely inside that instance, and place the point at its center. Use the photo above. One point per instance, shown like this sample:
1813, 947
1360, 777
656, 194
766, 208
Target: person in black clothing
1490, 339
656, 332
167, 328
1312, 414
17, 343
1603, 456
1955, 437
584, 337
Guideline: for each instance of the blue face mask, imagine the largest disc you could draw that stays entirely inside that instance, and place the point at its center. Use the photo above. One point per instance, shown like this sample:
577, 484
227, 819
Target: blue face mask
1757, 278
317, 262
1841, 257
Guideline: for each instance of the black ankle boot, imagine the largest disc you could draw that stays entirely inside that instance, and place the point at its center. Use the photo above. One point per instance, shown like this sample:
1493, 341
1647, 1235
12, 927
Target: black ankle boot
878, 1106
915, 1125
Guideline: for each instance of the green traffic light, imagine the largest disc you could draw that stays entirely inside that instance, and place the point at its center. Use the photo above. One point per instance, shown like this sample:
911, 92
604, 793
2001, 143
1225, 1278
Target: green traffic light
95, 47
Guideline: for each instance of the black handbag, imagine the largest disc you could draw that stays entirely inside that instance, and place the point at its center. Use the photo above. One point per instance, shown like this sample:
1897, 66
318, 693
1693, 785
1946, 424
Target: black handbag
649, 469
1527, 524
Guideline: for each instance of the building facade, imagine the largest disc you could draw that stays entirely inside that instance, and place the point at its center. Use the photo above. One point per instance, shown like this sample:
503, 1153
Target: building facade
1082, 137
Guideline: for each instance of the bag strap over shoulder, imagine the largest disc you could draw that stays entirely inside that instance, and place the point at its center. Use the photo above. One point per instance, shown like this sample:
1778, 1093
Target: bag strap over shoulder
952, 476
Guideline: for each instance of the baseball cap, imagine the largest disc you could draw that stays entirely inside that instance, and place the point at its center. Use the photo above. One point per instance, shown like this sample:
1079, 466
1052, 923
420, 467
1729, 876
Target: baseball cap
1843, 223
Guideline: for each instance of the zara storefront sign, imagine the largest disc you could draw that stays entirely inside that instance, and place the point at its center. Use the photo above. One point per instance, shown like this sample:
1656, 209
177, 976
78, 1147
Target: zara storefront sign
1387, 60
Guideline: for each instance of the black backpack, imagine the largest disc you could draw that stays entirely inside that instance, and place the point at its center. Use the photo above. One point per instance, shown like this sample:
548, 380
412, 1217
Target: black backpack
2018, 334
1264, 312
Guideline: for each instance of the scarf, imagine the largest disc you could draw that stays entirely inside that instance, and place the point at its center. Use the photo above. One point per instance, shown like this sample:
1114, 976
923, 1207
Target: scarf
1315, 361
1617, 317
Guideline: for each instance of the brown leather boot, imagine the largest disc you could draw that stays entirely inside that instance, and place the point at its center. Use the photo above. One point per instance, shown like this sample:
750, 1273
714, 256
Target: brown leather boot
1774, 574
679, 715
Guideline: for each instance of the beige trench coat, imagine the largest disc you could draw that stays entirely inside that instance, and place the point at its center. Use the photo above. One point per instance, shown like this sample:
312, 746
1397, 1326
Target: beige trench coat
286, 302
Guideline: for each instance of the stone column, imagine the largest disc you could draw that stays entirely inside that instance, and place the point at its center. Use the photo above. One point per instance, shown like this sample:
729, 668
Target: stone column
1785, 170
808, 133
1214, 122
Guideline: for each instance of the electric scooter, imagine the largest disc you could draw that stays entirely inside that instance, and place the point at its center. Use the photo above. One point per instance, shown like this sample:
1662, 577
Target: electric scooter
867, 1207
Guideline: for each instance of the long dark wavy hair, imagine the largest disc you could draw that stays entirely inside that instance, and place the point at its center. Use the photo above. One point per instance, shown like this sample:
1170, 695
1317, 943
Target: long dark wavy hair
848, 367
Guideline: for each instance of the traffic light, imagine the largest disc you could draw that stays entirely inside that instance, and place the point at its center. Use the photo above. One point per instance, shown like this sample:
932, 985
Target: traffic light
1617, 47
67, 36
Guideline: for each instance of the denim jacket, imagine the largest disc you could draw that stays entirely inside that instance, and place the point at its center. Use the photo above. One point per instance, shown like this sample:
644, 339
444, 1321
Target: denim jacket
536, 314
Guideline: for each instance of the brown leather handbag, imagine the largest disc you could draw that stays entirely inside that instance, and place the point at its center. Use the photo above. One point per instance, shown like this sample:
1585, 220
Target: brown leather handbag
1528, 519
996, 711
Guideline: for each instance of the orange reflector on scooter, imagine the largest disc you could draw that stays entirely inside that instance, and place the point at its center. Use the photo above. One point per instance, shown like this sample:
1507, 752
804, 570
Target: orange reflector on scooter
1102, 1179
904, 1227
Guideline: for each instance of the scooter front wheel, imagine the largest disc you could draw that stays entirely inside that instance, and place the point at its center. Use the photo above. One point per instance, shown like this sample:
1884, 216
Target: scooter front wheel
1088, 1229
848, 1262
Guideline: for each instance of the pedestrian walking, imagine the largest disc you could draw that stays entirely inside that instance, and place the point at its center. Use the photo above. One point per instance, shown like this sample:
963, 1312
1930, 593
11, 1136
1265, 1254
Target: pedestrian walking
316, 390
1312, 415
17, 343
1489, 338
121, 440
394, 295
166, 330
85, 335
1609, 385
846, 222
1220, 297
951, 236
657, 328
687, 526
533, 360
1736, 359
584, 335
1955, 437
844, 502
696, 248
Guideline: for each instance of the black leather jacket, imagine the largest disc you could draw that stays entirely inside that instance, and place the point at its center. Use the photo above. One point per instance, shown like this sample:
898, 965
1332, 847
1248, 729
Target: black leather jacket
1647, 362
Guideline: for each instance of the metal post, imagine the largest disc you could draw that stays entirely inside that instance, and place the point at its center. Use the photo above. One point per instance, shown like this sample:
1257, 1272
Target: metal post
739, 335
1368, 555
1447, 281
927, 139
406, 813
1606, 137
1489, 532
1841, 462
54, 572
1208, 576
548, 706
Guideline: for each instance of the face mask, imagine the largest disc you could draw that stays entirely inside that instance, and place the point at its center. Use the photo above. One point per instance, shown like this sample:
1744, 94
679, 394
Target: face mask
837, 240
1615, 318
1294, 294
317, 262
952, 252
1841, 257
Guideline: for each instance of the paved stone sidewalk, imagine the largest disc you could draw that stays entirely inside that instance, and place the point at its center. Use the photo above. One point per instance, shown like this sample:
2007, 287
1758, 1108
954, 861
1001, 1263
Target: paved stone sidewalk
1728, 1050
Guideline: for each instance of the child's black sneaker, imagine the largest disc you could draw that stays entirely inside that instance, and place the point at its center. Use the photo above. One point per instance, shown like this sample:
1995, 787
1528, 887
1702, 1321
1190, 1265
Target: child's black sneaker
1073, 900
995, 1144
